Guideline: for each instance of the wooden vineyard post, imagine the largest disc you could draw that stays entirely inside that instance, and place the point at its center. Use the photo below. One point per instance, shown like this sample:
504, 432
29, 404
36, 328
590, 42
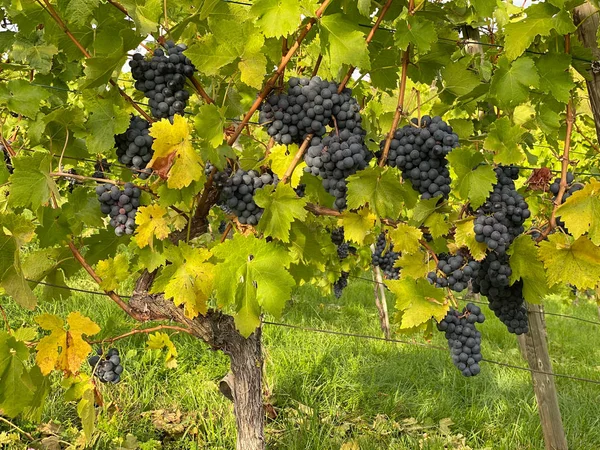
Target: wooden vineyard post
381, 302
535, 347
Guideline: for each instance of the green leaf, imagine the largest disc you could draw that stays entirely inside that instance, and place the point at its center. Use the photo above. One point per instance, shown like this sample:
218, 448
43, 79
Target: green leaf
556, 79
145, 13
38, 56
209, 55
251, 276
343, 43
377, 187
465, 237
209, 123
581, 212
438, 224
459, 79
253, 69
16, 390
162, 340
87, 412
526, 266
364, 7
357, 225
406, 238
571, 261
113, 271
21, 97
473, 182
418, 301
99, 70
282, 206
413, 266
412, 29
7, 38
80, 11
277, 18
31, 184
512, 83
504, 140
106, 117
423, 210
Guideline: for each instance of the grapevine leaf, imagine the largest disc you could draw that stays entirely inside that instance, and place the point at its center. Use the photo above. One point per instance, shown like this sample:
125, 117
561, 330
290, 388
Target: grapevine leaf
364, 7
423, 210
581, 212
113, 271
16, 391
311, 246
159, 341
253, 68
406, 238
571, 261
413, 266
173, 152
504, 139
151, 222
145, 13
107, 117
188, 280
377, 187
209, 123
281, 158
282, 206
473, 181
526, 266
418, 301
87, 412
437, 224
511, 83
38, 56
416, 30
79, 11
357, 224
465, 237
343, 43
42, 389
7, 38
252, 275
151, 258
98, 70
277, 18
31, 185
64, 350
458, 79
209, 55
555, 77
23, 98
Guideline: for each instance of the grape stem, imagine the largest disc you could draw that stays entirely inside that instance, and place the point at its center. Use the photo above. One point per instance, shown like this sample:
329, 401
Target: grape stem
226, 232
141, 331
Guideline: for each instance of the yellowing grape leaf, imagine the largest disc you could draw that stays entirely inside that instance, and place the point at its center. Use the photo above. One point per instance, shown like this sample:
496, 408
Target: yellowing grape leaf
526, 266
151, 222
464, 236
280, 158
161, 340
174, 156
406, 238
581, 212
418, 301
438, 224
414, 266
188, 280
64, 349
571, 261
113, 271
282, 206
357, 225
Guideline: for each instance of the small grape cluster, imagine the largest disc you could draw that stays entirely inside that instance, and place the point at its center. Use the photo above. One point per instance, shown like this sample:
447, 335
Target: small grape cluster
109, 368
72, 182
572, 188
493, 281
387, 261
120, 205
419, 151
343, 248
464, 340
340, 284
500, 219
307, 108
101, 167
162, 79
300, 190
454, 272
7, 159
134, 147
237, 194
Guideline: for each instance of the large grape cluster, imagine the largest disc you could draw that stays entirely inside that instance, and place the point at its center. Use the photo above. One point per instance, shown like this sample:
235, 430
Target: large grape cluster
464, 340
500, 219
107, 369
386, 260
101, 168
237, 194
162, 79
493, 281
419, 151
454, 272
134, 147
120, 204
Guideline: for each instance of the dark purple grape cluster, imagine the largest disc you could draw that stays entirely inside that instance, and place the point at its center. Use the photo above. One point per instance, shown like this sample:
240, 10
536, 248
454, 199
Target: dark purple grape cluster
120, 204
107, 369
340, 284
7, 159
419, 150
386, 260
300, 190
101, 167
493, 281
337, 236
237, 194
72, 182
134, 147
500, 219
454, 272
464, 340
308, 108
162, 79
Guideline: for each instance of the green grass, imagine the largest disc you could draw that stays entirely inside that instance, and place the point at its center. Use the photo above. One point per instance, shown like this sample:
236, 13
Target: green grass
331, 390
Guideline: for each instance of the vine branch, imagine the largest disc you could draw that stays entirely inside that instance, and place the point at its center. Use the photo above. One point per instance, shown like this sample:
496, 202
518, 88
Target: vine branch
141, 331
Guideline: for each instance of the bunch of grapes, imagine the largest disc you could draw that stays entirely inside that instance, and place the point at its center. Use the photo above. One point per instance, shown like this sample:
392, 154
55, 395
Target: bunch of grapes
101, 167
307, 108
72, 182
385, 261
134, 147
419, 151
237, 194
336, 157
463, 338
7, 159
572, 188
120, 205
162, 79
337, 236
500, 219
300, 190
109, 368
340, 284
454, 272
493, 281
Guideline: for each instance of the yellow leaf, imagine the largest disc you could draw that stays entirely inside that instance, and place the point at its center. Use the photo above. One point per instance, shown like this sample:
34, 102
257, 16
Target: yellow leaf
113, 271
414, 266
161, 340
151, 222
64, 349
357, 225
280, 158
438, 224
465, 237
406, 238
